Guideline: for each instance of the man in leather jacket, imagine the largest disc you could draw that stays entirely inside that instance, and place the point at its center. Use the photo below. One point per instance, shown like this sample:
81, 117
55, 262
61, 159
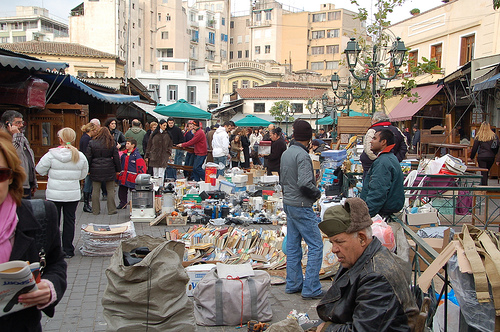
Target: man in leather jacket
371, 291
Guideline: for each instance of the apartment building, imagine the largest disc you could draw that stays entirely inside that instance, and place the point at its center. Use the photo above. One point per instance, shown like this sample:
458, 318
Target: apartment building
32, 23
315, 40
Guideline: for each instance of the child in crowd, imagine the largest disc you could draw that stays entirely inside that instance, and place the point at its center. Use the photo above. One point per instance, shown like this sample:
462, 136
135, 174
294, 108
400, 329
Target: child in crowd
132, 164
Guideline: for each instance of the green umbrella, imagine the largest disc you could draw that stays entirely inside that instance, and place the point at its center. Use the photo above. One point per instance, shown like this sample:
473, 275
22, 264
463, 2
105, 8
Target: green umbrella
327, 120
252, 121
182, 109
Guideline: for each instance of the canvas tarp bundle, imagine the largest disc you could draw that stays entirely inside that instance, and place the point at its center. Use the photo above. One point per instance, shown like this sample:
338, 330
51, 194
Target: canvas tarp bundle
150, 295
225, 308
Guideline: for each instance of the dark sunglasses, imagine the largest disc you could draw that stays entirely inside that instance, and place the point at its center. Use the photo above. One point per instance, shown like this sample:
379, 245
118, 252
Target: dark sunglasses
5, 173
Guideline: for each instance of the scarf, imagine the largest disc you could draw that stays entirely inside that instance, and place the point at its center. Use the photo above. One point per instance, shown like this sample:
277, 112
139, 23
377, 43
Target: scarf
8, 225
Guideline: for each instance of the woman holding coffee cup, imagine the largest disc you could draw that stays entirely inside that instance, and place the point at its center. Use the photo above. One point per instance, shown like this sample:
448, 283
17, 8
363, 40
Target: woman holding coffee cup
19, 241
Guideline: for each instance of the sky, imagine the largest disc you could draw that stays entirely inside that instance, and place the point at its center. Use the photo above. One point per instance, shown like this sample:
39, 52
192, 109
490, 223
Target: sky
61, 8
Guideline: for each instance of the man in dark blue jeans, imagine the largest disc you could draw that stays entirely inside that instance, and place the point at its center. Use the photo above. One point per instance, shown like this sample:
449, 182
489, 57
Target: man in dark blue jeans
199, 141
299, 194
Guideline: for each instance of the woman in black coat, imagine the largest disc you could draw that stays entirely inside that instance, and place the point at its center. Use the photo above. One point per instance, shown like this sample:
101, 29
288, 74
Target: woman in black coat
22, 241
117, 135
104, 166
486, 146
245, 143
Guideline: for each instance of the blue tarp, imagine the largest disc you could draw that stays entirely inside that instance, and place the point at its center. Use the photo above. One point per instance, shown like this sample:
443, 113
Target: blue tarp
73, 82
487, 84
21, 63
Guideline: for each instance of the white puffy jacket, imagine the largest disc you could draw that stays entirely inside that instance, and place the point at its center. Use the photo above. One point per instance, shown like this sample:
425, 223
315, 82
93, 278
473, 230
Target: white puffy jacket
220, 143
64, 175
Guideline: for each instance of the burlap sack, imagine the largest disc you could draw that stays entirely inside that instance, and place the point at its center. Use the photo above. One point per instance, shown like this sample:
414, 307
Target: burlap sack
150, 295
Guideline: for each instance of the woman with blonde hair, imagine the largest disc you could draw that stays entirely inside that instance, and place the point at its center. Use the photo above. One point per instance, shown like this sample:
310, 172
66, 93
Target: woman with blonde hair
19, 231
486, 146
65, 167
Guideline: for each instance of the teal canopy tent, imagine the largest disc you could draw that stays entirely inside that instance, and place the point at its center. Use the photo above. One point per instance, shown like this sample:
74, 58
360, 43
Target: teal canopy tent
182, 109
327, 120
252, 121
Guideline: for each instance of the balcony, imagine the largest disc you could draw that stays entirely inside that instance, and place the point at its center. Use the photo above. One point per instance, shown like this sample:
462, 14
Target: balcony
211, 24
258, 24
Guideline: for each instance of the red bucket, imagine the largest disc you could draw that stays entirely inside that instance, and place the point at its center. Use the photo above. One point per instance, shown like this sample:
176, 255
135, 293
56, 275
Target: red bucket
210, 175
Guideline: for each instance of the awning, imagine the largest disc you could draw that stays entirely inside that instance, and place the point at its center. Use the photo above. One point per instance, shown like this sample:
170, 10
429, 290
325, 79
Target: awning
487, 84
227, 107
73, 82
267, 117
15, 62
405, 110
183, 109
148, 108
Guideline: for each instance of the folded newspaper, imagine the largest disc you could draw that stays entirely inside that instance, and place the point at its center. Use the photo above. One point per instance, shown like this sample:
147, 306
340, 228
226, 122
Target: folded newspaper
16, 278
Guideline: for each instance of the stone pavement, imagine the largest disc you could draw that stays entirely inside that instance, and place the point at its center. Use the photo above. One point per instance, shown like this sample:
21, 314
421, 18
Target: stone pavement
81, 310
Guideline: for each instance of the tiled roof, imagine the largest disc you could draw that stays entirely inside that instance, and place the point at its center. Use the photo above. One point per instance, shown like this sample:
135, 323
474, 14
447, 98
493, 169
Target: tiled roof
55, 48
280, 93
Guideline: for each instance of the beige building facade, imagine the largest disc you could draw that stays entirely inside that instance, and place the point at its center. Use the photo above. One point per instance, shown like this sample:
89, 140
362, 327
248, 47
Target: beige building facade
453, 34
315, 40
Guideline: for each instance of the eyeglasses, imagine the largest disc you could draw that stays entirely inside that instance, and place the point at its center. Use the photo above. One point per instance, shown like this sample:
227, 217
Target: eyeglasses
5, 173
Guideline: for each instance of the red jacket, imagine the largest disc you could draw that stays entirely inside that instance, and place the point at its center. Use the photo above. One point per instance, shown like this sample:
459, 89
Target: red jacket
132, 165
200, 143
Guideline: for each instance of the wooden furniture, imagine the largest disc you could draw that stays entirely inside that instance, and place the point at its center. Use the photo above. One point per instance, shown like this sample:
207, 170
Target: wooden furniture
349, 126
488, 212
43, 127
456, 150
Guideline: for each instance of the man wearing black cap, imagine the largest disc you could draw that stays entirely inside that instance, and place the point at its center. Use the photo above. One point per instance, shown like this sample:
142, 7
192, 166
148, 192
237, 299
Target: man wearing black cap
299, 194
371, 292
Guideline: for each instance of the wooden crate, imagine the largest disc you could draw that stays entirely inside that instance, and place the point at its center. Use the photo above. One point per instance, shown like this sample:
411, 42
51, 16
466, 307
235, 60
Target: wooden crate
176, 220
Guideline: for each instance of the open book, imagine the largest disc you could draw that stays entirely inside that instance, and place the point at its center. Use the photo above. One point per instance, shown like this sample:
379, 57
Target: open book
16, 278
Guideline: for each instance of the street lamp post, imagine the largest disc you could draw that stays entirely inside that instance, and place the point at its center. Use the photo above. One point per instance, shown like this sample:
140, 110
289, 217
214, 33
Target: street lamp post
288, 112
330, 109
397, 52
348, 95
314, 110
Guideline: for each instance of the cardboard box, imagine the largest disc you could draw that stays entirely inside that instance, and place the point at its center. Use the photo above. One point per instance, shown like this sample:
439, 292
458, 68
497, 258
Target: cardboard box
316, 164
250, 177
418, 219
196, 273
436, 244
176, 220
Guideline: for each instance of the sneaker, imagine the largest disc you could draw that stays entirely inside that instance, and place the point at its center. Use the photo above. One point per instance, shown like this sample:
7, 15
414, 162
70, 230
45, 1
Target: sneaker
315, 297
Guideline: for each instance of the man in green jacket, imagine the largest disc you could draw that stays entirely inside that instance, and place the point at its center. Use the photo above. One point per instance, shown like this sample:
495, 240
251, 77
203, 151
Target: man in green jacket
383, 186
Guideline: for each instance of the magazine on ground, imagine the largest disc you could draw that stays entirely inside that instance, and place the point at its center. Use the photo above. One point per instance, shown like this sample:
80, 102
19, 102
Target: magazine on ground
16, 278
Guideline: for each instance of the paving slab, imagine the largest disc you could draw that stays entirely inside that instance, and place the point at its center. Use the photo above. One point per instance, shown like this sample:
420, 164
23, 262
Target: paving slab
81, 310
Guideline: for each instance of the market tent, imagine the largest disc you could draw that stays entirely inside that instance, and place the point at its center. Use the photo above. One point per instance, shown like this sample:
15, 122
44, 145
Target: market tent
327, 120
182, 109
252, 121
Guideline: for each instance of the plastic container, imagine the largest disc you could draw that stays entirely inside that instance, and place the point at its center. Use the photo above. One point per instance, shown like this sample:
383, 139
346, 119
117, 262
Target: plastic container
210, 175
265, 148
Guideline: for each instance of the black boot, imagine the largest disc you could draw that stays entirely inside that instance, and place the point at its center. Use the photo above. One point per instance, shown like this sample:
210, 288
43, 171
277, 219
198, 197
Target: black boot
86, 203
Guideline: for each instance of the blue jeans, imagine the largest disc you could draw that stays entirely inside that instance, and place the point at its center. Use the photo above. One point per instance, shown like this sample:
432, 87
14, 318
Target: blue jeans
198, 171
302, 223
220, 160
87, 186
